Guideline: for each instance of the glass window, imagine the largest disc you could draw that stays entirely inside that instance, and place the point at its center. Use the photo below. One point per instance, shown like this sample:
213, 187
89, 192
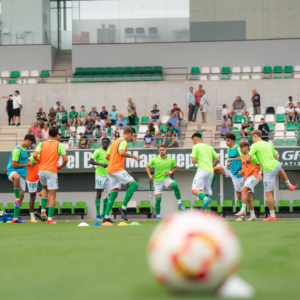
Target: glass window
294, 177
143, 181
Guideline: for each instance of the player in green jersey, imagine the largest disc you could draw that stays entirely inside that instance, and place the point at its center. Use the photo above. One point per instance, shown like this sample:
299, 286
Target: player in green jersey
163, 169
268, 159
101, 180
203, 155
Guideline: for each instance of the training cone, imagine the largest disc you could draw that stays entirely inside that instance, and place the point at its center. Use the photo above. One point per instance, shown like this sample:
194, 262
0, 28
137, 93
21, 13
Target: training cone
107, 224
135, 224
82, 224
123, 224
96, 224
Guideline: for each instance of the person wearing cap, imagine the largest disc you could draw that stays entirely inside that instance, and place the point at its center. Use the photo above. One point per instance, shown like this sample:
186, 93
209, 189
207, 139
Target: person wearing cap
17, 107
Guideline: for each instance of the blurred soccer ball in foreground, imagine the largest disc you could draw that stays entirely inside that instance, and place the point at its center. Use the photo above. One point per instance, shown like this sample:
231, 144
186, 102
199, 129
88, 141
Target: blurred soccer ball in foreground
193, 252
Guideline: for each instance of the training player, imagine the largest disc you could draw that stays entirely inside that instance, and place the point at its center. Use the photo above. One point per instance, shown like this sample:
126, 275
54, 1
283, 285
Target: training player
17, 172
116, 156
163, 169
50, 151
101, 178
203, 155
233, 152
252, 176
268, 159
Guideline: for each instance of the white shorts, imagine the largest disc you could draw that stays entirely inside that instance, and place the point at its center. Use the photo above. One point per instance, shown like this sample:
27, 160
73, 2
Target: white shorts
158, 186
32, 186
102, 182
238, 182
269, 178
49, 179
118, 178
251, 182
22, 181
202, 181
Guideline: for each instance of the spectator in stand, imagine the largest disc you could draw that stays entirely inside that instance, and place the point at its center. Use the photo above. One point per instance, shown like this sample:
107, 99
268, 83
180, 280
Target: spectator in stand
45, 132
170, 141
73, 116
204, 106
264, 128
89, 126
148, 140
133, 140
256, 102
117, 135
175, 123
227, 121
113, 115
35, 130
104, 114
131, 108
198, 96
82, 116
64, 113
40, 114
17, 107
244, 130
120, 130
62, 129
155, 116
58, 117
151, 128
121, 121
51, 116
110, 131
177, 111
93, 114
250, 131
83, 142
227, 112
199, 129
246, 117
297, 111
158, 140
290, 112
105, 136
39, 123
9, 109
287, 106
238, 106
58, 105
68, 133
162, 133
224, 130
191, 102
100, 122
97, 133
171, 129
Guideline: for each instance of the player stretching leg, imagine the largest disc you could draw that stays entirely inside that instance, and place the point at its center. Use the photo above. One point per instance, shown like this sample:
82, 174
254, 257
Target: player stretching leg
233, 152
163, 165
50, 151
268, 159
252, 176
116, 156
203, 155
17, 172
101, 181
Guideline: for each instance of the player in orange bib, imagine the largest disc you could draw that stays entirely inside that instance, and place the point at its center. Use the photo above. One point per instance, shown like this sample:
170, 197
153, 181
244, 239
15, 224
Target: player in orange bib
252, 175
50, 151
116, 156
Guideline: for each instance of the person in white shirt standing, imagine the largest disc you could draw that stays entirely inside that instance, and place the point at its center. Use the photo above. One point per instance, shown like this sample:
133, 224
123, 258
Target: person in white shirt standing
17, 107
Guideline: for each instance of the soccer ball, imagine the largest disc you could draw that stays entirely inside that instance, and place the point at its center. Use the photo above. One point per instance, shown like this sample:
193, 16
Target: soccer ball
193, 252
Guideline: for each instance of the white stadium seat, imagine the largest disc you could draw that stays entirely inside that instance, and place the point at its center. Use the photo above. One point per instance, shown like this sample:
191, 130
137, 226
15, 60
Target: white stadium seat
235, 77
255, 77
165, 119
223, 144
203, 77
73, 128
279, 135
215, 70
246, 70
271, 142
24, 74
270, 119
20, 81
250, 110
34, 73
279, 127
156, 128
290, 135
205, 70
297, 68
5, 74
80, 129
132, 204
143, 128
236, 70
4, 81
297, 76
245, 77
31, 81
256, 126
140, 136
257, 118
238, 126
256, 69
114, 127
280, 110
214, 77
66, 146
251, 117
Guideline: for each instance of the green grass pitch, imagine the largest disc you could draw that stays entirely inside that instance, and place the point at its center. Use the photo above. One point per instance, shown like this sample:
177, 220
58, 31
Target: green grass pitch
63, 261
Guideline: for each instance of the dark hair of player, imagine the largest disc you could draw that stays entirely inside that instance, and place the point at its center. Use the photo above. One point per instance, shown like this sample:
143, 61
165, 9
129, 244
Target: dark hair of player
53, 131
128, 130
244, 144
106, 139
162, 146
30, 137
197, 135
258, 133
230, 136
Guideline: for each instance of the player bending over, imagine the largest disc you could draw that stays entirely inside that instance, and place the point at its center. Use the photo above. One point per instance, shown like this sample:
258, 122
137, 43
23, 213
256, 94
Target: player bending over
252, 176
163, 169
268, 159
17, 172
101, 178
203, 155
116, 156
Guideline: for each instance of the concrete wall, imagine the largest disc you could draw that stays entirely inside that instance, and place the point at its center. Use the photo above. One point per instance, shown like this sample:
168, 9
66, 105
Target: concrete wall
201, 54
145, 94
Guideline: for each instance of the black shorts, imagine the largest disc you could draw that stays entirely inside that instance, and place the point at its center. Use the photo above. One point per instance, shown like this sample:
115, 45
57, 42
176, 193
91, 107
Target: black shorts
16, 112
64, 122
113, 122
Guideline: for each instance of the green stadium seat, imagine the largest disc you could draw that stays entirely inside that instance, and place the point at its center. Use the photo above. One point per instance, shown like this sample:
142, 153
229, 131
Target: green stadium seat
228, 207
115, 208
287, 76
2, 208
197, 204
89, 71
128, 70
277, 70
147, 70
119, 71
24, 210
163, 127
37, 204
288, 69
195, 70
152, 78
130, 145
67, 208
98, 78
290, 143
279, 143
45, 74
224, 77
127, 78
285, 207
225, 70
12, 81
133, 210
277, 77
298, 126
89, 79
10, 206
127, 119
137, 121
137, 145
267, 70
146, 208
238, 118
78, 79
280, 118
267, 210
258, 208
136, 78
271, 126
116, 79
95, 146
80, 209
237, 135
108, 71
137, 70
99, 71
296, 206
157, 70
216, 207
290, 127
145, 120
15, 74
79, 72
186, 204
57, 210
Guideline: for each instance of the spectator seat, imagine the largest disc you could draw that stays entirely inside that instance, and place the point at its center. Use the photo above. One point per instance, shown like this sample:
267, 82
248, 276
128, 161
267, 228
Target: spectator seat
279, 127
115, 208
143, 128
118, 71
57, 210
279, 143
133, 208
10, 206
237, 135
285, 207
165, 119
287, 76
296, 206
137, 70
236, 70
203, 77
137, 120
237, 126
290, 143
215, 70
34, 73
288, 69
246, 70
186, 204
197, 204
15, 74
80, 209
257, 118
32, 81
157, 70
297, 76
238, 118
5, 74
235, 77
137, 145
271, 127
153, 78
250, 110
225, 77
267, 70
214, 77
146, 208
277, 70
228, 207
256, 69
135, 128
276, 77
205, 70
147, 70
290, 127
67, 208
108, 71
226, 70
163, 127
195, 70
45, 73
79, 72
290, 135
73, 128
140, 136
21, 81
127, 120
245, 77
223, 144
130, 145
280, 110
280, 118
258, 208
99, 71
256, 77
24, 73
80, 129
12, 81
270, 119
78, 79
267, 210
24, 210
89, 71
2, 208
298, 126
128, 70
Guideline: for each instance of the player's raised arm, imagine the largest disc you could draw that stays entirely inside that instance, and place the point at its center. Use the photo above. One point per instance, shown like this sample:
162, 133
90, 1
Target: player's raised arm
126, 154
